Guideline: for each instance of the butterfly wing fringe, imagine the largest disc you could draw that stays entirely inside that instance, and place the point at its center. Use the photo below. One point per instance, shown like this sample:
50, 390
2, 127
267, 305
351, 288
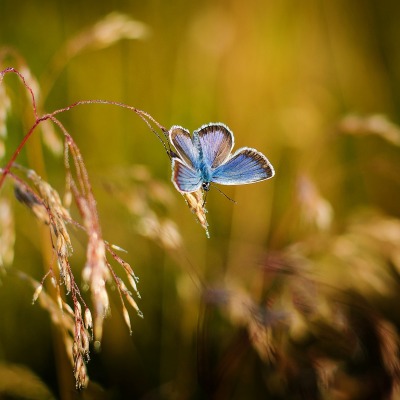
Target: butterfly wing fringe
244, 167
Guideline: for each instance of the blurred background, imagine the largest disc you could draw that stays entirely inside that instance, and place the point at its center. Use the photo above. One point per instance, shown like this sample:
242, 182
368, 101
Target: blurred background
295, 293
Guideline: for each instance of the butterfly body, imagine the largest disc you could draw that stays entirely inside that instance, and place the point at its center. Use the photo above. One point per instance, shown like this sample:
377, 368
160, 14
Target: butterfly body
205, 157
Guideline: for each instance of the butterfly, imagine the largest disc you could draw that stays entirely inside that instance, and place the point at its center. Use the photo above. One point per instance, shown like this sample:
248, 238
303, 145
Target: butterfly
205, 157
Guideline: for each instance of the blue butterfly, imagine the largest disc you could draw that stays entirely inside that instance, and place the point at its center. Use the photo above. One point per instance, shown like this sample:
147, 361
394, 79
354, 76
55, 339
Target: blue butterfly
206, 157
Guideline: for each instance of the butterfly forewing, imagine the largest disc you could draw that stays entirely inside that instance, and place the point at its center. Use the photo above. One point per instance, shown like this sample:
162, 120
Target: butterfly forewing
245, 166
216, 141
183, 144
185, 178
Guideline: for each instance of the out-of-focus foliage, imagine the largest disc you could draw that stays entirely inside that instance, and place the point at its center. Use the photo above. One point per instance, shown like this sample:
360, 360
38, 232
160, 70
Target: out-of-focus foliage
295, 294
18, 382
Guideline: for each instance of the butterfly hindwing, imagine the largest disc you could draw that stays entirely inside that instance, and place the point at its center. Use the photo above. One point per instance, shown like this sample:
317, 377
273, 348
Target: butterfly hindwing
185, 178
182, 141
245, 166
216, 142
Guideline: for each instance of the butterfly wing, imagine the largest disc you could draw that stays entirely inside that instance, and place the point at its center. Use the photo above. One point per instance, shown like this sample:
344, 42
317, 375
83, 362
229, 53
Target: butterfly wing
245, 166
182, 141
216, 142
185, 178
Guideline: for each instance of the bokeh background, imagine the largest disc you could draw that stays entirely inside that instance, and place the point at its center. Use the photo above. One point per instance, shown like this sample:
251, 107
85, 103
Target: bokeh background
315, 86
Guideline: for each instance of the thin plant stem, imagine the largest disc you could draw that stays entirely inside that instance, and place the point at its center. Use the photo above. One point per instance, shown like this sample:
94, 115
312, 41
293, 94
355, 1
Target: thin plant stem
146, 117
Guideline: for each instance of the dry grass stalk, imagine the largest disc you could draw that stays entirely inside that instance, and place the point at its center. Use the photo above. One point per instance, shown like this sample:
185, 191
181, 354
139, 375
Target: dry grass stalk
195, 202
7, 234
45, 202
142, 195
258, 321
375, 124
313, 208
76, 336
74, 328
332, 286
58, 214
113, 28
390, 347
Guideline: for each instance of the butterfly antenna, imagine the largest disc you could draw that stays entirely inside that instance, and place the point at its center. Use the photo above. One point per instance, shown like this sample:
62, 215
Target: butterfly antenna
219, 190
147, 118
166, 145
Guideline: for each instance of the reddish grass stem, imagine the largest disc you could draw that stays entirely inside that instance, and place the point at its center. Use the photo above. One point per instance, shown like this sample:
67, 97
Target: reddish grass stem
147, 118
